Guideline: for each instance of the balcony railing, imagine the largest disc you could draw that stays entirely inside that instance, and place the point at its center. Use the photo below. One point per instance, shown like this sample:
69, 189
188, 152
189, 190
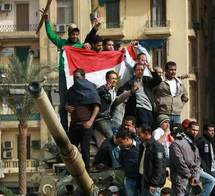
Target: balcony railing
113, 30
13, 117
157, 23
17, 28
11, 166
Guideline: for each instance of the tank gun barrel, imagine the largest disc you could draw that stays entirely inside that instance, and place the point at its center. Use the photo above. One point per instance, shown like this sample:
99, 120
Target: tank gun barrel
70, 153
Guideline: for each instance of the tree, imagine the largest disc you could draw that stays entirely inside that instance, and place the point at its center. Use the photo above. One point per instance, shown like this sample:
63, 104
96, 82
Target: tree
18, 75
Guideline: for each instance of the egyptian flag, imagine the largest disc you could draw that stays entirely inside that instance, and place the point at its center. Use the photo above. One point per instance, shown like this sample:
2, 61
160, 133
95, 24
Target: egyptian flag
96, 64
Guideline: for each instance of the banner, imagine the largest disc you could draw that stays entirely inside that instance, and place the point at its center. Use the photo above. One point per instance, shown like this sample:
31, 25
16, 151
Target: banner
96, 64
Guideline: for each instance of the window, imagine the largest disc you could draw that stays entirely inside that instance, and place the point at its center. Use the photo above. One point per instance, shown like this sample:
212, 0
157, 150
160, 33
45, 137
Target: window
22, 52
22, 17
7, 145
7, 154
64, 11
112, 14
159, 56
35, 144
158, 13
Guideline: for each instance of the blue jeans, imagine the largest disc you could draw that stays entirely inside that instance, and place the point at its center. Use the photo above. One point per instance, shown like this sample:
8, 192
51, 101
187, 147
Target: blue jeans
145, 190
208, 183
130, 187
104, 126
63, 97
174, 119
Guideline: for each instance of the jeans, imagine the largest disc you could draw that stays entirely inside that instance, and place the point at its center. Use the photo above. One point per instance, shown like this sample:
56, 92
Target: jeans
208, 183
78, 135
145, 190
130, 187
104, 126
117, 115
63, 93
115, 157
174, 119
144, 117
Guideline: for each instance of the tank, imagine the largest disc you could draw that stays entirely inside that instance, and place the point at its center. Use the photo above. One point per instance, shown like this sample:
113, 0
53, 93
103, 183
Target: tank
70, 154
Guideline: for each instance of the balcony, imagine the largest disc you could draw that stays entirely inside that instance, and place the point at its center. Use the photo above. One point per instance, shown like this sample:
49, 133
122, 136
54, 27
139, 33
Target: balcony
11, 120
157, 28
12, 166
114, 31
17, 31
18, 28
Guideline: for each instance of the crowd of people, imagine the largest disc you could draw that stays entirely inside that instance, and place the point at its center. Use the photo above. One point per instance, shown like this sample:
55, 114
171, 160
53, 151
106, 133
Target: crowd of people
137, 125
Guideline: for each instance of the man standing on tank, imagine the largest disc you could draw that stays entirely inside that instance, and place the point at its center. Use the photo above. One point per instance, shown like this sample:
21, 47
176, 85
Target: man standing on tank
73, 40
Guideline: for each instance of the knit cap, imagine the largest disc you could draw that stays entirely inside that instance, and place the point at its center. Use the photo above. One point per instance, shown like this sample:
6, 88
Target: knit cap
162, 118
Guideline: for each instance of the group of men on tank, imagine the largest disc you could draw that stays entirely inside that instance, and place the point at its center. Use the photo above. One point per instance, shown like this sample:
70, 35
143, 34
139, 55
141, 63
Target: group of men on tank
136, 126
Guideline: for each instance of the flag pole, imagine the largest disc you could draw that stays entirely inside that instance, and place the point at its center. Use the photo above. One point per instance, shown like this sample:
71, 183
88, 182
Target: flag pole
43, 16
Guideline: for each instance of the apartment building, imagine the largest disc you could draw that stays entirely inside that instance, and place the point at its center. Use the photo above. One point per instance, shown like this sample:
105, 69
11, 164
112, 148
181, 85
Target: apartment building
170, 29
167, 28
18, 24
206, 53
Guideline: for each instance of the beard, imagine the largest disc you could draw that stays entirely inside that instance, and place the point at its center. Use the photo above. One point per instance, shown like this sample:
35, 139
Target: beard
191, 136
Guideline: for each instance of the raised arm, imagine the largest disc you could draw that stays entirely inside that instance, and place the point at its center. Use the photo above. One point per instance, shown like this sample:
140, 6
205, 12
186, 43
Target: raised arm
51, 34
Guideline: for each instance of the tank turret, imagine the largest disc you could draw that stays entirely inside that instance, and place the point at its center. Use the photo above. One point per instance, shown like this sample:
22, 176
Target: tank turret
69, 152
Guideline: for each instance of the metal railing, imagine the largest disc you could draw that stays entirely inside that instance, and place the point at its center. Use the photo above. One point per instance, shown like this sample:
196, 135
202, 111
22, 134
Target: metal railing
157, 23
17, 28
13, 165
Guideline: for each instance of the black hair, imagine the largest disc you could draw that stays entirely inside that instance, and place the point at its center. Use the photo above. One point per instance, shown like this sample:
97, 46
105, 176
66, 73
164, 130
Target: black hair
169, 64
130, 118
176, 128
136, 64
96, 39
105, 41
109, 73
140, 54
193, 123
117, 45
166, 190
205, 126
79, 70
122, 133
145, 128
71, 29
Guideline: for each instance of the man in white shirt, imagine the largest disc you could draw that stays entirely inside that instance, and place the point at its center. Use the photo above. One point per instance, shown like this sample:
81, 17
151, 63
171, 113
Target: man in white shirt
170, 94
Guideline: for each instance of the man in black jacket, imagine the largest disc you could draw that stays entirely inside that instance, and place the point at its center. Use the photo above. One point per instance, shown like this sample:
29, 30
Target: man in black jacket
109, 99
206, 148
141, 103
128, 158
152, 167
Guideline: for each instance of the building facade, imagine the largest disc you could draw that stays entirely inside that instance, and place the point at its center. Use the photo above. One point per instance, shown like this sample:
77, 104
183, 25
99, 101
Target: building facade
171, 30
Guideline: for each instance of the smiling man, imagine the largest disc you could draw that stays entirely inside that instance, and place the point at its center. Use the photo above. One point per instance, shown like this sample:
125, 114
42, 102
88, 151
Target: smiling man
170, 94
141, 103
72, 40
109, 100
